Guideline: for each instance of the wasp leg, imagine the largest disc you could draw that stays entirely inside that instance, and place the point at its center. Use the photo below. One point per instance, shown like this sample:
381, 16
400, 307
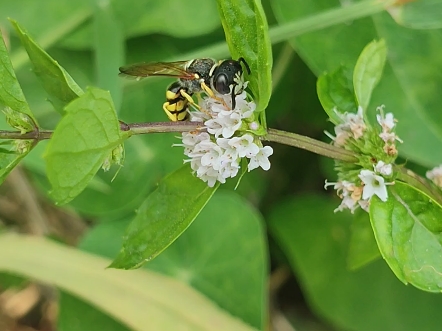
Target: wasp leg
210, 93
208, 90
189, 99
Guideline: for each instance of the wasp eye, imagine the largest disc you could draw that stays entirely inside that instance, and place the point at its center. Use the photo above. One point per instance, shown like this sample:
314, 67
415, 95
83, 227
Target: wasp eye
221, 84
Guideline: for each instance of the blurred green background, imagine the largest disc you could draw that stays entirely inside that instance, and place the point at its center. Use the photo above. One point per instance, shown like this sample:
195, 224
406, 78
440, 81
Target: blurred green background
272, 252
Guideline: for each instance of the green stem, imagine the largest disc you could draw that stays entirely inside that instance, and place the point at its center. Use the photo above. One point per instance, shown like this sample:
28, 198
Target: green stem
36, 135
134, 128
282, 137
281, 64
19, 58
160, 127
309, 144
290, 30
328, 18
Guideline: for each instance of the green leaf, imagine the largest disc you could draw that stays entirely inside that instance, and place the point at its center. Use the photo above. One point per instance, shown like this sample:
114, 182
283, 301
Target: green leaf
226, 237
70, 307
315, 241
11, 94
335, 92
165, 302
362, 247
81, 142
422, 14
408, 229
59, 85
368, 71
205, 261
109, 50
8, 161
163, 217
246, 30
143, 17
414, 69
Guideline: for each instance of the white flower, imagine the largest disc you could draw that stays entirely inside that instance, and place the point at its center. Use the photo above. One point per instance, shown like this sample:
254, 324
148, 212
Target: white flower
224, 125
198, 116
373, 185
348, 192
387, 121
365, 205
356, 123
261, 159
230, 169
210, 176
351, 125
343, 188
244, 145
230, 124
435, 175
230, 152
389, 137
202, 148
245, 108
347, 203
382, 168
214, 127
191, 139
212, 158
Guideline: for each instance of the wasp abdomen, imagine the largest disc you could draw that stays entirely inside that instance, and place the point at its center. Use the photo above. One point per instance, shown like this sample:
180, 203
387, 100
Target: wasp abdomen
176, 104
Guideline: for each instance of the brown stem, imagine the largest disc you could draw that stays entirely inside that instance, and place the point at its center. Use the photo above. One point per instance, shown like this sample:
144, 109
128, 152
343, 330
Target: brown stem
36, 135
309, 144
134, 128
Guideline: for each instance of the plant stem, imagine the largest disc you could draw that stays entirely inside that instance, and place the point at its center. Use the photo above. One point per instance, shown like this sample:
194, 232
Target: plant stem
290, 30
282, 137
160, 127
328, 18
35, 135
134, 128
281, 64
309, 144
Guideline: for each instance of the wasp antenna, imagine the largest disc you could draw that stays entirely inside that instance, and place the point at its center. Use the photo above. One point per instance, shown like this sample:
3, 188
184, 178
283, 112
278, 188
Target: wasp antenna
241, 59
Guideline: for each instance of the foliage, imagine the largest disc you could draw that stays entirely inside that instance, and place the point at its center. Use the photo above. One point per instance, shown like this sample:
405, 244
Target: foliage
208, 246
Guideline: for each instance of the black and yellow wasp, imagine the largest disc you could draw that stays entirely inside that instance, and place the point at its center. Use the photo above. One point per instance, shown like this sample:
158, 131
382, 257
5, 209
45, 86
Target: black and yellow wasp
194, 76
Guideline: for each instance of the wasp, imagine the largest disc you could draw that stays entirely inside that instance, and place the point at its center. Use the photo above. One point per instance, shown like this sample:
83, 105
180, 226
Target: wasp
194, 76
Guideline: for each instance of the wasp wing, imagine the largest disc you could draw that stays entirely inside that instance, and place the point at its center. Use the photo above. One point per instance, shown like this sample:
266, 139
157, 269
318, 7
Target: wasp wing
168, 69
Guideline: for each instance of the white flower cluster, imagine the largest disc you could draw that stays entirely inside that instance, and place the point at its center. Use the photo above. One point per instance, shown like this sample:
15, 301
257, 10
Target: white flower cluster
216, 155
354, 196
352, 125
359, 182
388, 122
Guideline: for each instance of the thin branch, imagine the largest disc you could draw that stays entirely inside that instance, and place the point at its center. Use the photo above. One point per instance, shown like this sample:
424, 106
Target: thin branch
160, 127
35, 135
309, 144
134, 128
282, 137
